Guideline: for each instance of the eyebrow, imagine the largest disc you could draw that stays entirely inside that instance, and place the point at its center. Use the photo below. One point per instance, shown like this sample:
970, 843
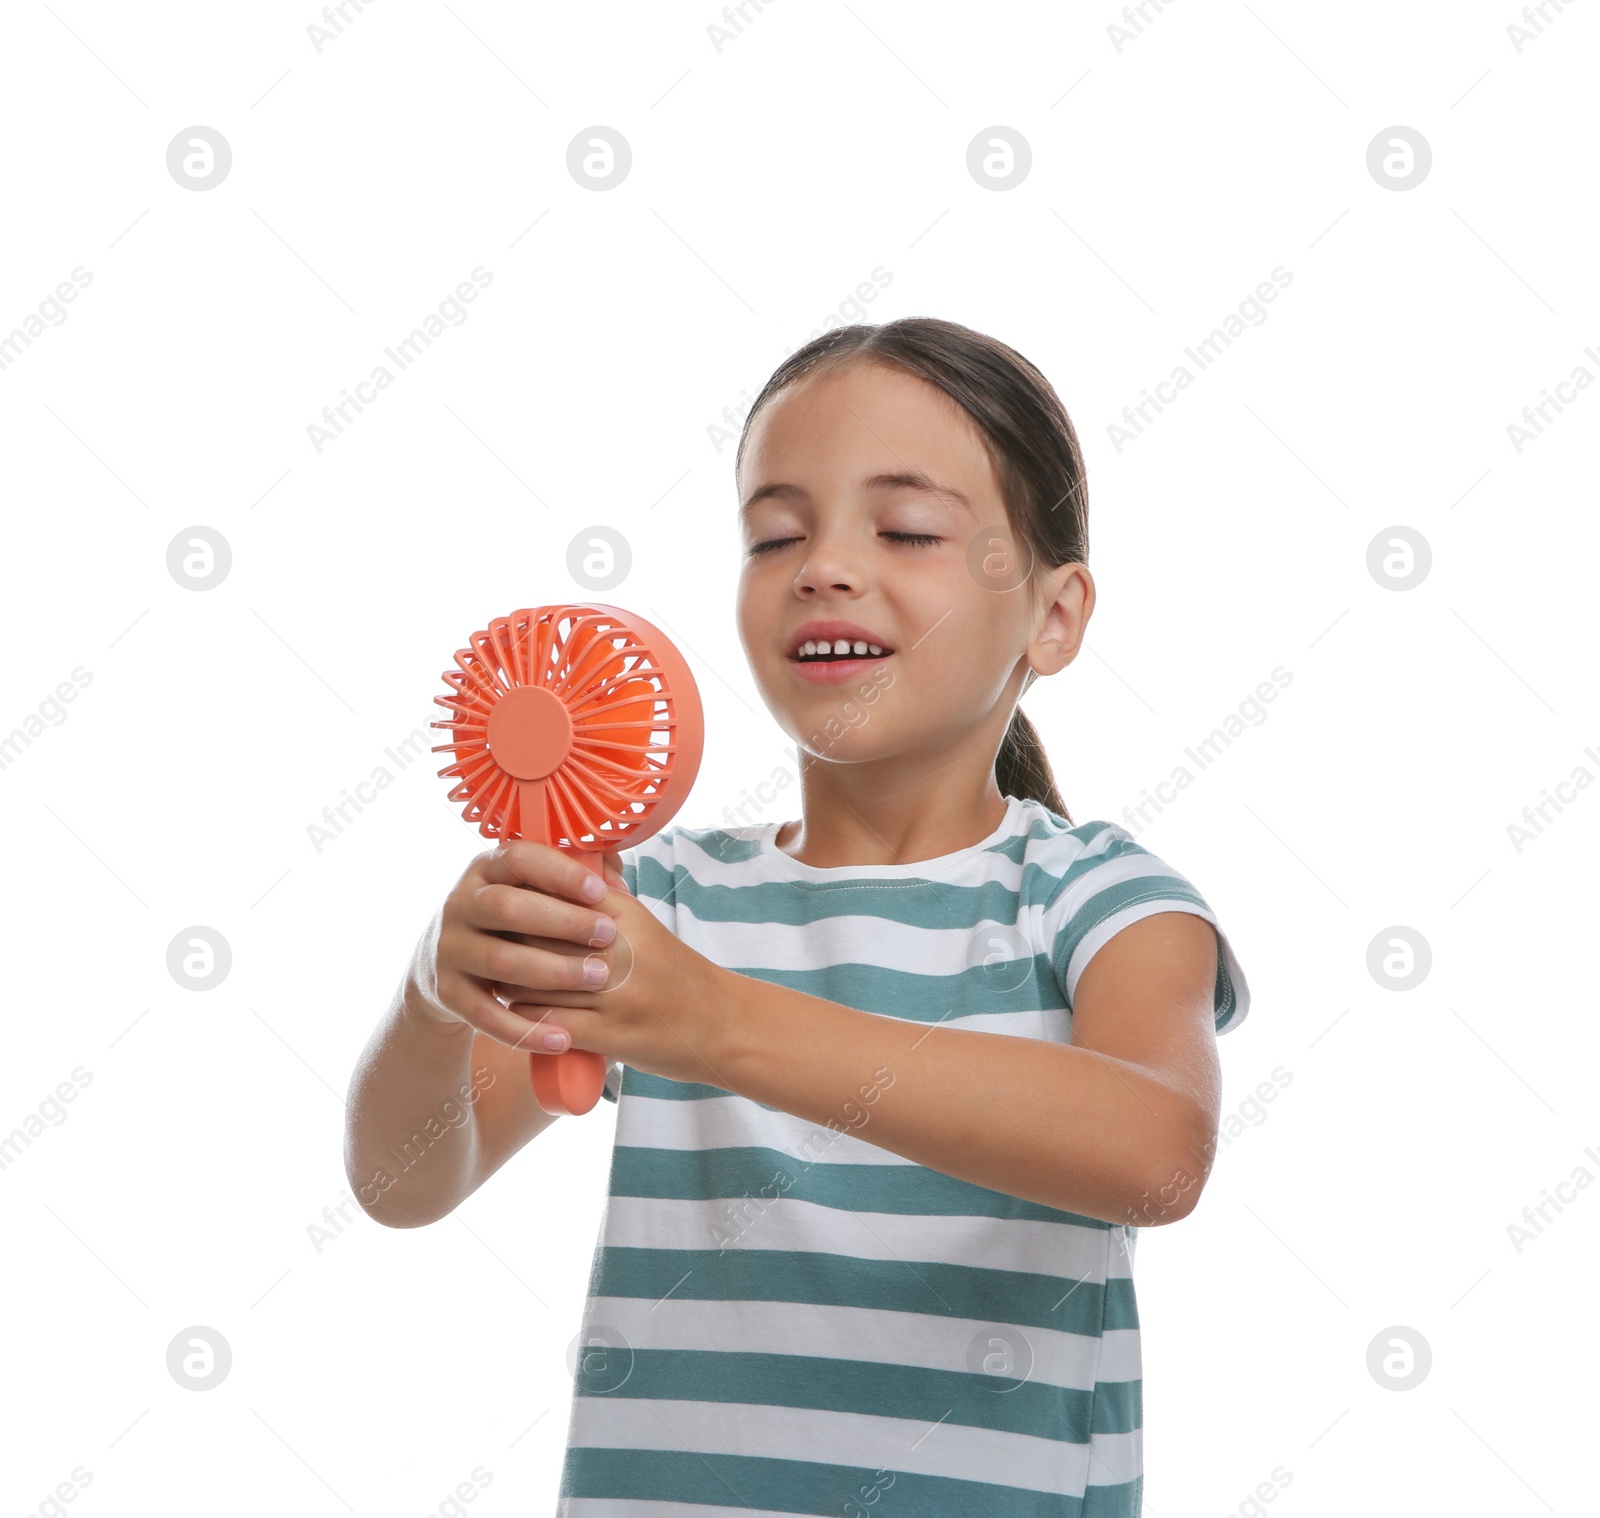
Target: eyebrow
905, 479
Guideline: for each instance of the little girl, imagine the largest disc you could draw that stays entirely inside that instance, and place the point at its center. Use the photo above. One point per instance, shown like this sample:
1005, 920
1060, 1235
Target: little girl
898, 1082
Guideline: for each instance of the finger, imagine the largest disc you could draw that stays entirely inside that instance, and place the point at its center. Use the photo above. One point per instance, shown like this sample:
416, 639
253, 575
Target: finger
522, 1030
614, 875
578, 1026
544, 996
520, 861
501, 908
492, 958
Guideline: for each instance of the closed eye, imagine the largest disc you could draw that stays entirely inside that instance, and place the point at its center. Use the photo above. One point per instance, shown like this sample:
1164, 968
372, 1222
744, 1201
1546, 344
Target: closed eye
915, 539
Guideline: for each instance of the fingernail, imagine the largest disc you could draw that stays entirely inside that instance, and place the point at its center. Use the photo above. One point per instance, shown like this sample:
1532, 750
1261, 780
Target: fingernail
604, 931
594, 889
595, 970
555, 1040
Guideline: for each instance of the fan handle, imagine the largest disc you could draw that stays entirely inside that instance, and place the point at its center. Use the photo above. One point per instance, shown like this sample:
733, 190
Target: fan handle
570, 1083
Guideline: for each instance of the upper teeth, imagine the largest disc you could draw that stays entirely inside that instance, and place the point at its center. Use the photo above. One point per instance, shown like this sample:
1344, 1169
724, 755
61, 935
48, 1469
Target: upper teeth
812, 647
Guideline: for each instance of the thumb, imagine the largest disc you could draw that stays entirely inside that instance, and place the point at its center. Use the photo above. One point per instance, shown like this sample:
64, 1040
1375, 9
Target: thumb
613, 872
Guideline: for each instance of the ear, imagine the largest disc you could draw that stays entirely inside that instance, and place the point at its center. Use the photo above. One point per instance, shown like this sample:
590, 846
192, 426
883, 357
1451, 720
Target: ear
1068, 604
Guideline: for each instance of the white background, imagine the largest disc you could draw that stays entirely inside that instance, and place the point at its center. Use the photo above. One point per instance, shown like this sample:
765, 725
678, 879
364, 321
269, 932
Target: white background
770, 178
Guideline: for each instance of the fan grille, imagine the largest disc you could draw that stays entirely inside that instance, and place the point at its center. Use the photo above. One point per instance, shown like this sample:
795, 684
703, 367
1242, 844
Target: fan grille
624, 712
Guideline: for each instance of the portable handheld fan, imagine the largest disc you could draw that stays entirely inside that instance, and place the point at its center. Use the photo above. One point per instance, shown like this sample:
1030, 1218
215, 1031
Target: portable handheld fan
578, 726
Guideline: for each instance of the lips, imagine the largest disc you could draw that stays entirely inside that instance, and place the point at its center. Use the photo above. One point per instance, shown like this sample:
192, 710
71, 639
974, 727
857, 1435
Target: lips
837, 671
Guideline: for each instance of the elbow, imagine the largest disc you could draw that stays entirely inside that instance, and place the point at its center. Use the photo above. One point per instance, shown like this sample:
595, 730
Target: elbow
390, 1214
1173, 1190
374, 1198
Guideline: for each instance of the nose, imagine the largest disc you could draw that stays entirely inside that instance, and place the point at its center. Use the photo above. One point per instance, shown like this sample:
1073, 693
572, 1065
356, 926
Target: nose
831, 564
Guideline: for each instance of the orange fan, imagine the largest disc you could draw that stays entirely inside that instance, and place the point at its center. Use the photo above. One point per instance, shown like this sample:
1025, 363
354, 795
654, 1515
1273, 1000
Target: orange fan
578, 726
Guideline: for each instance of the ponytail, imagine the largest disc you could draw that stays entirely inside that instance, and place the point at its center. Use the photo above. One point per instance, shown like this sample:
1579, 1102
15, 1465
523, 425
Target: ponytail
1022, 768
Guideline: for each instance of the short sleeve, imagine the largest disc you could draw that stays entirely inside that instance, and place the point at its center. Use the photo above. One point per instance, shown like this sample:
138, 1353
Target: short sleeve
1110, 882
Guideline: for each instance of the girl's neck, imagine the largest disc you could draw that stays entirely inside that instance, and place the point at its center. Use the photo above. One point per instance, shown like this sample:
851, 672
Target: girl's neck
839, 832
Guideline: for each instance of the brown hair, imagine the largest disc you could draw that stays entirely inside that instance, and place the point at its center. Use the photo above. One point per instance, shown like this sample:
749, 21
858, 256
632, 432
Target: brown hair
1032, 446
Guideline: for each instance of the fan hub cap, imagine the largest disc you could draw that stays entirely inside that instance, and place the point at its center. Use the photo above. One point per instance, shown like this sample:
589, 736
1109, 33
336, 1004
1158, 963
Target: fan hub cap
530, 732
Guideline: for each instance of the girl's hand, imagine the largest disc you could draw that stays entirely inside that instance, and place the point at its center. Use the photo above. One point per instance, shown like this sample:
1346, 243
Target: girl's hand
660, 1009
517, 919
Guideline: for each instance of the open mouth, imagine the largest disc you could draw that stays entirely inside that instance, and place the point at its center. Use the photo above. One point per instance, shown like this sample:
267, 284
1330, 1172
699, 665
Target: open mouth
840, 652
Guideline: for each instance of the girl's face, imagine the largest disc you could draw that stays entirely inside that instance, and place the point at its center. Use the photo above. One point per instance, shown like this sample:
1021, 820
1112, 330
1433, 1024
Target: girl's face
868, 499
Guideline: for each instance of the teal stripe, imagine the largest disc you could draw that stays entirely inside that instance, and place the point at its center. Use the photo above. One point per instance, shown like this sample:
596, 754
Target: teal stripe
735, 1172
814, 1487
1026, 1299
916, 902
870, 1388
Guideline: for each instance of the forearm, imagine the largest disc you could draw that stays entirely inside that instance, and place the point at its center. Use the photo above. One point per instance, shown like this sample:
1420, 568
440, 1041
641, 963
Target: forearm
1051, 1123
411, 1139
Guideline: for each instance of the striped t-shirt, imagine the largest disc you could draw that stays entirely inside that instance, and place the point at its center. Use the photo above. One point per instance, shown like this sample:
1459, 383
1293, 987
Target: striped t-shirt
782, 1317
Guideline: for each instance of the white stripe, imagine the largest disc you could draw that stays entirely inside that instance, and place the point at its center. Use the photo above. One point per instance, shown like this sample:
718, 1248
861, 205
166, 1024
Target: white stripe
1115, 1459
917, 1446
1070, 1250
629, 1507
860, 1335
854, 938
